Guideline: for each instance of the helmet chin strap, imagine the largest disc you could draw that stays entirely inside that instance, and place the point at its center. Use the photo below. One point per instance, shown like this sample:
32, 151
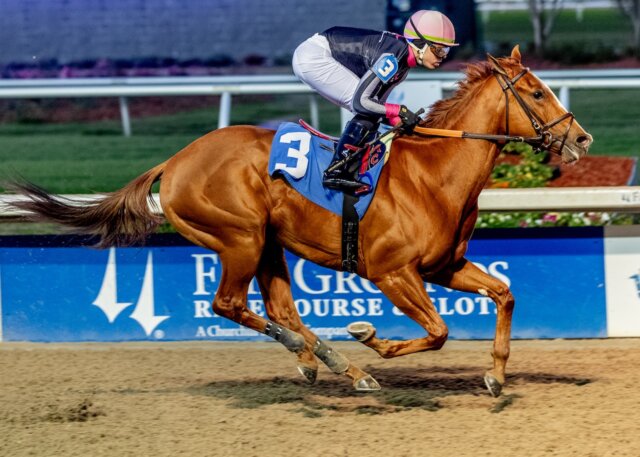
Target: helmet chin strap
420, 52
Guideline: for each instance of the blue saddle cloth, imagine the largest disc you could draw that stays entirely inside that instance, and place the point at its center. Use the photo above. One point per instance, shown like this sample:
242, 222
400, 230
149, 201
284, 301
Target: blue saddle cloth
301, 158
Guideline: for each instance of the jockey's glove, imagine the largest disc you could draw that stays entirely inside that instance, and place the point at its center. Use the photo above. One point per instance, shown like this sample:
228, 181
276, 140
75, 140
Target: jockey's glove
409, 119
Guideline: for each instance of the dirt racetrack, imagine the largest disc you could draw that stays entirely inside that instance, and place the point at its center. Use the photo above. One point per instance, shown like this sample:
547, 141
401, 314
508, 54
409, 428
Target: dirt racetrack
564, 398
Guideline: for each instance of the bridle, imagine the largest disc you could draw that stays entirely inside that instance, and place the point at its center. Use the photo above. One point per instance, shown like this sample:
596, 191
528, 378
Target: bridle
544, 139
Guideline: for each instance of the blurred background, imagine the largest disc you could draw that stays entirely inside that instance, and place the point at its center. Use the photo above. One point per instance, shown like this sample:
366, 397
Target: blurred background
71, 38
73, 140
153, 37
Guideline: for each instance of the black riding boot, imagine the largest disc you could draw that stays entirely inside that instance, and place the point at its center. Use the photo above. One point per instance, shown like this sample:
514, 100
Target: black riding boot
344, 178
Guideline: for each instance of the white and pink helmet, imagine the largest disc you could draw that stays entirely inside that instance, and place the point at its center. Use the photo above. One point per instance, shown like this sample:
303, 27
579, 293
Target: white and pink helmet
430, 26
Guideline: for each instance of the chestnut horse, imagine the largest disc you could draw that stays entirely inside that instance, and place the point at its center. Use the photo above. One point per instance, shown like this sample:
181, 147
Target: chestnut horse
217, 193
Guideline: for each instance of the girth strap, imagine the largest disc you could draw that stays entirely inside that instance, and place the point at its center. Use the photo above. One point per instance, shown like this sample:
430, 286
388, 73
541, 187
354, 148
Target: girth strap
350, 226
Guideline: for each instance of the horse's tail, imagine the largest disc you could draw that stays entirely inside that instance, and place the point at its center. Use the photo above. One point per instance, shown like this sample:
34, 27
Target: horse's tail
121, 218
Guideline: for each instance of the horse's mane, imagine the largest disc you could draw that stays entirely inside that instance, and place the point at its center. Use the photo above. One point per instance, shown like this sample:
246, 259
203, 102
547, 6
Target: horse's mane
444, 109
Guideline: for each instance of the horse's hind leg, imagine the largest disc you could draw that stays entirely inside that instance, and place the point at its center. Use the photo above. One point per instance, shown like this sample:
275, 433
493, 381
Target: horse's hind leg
275, 285
467, 277
239, 265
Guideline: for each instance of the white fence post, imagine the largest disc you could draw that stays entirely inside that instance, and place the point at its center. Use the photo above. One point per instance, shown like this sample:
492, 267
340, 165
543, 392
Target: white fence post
225, 110
124, 116
564, 97
313, 111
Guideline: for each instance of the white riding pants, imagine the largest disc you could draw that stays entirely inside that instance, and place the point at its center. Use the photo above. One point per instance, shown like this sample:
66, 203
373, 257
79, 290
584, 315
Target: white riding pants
314, 66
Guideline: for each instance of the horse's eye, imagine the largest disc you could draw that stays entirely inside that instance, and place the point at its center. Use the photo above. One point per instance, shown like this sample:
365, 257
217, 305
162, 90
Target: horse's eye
538, 94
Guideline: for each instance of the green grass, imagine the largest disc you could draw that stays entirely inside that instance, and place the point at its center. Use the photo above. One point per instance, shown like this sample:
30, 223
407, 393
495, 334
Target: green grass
70, 163
88, 157
598, 26
613, 118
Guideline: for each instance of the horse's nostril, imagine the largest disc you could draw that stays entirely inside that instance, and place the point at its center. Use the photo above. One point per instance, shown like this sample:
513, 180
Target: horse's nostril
584, 140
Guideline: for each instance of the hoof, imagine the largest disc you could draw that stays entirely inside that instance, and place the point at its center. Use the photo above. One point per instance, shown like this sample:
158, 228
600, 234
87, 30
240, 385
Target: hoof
361, 331
493, 385
309, 373
366, 384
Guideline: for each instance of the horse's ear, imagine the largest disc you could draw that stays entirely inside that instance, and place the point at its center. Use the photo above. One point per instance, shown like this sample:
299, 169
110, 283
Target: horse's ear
495, 65
515, 53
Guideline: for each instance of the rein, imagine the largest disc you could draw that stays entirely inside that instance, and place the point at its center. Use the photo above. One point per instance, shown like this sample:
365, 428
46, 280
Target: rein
542, 141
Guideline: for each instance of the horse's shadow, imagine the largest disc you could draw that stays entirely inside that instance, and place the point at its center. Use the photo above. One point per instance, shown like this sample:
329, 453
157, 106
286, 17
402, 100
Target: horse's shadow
460, 379
402, 388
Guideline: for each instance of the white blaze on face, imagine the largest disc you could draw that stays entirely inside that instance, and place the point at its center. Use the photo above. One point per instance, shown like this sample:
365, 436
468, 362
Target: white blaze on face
553, 94
558, 100
574, 155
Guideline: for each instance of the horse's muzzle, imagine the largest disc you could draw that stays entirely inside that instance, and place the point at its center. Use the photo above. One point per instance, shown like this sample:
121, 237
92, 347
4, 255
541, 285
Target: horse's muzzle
572, 150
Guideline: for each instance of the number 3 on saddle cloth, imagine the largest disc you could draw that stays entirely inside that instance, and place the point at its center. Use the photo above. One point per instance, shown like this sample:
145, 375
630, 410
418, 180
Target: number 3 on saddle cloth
301, 157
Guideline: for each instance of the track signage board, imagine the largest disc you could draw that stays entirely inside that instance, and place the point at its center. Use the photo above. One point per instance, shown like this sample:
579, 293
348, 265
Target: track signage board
52, 289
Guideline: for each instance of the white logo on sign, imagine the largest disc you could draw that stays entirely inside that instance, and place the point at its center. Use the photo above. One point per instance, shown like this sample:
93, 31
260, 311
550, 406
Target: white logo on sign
636, 280
144, 311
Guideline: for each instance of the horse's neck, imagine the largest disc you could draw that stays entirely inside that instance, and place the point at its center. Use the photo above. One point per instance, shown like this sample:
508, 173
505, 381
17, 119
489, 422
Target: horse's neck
468, 163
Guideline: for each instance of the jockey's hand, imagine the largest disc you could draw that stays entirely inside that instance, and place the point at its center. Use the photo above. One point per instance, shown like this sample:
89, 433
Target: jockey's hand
409, 119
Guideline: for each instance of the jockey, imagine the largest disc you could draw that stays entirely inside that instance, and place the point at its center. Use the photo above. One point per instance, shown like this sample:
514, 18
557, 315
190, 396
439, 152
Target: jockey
357, 69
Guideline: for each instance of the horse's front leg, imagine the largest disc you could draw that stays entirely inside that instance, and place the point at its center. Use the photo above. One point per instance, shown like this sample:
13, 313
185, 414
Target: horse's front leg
405, 289
467, 277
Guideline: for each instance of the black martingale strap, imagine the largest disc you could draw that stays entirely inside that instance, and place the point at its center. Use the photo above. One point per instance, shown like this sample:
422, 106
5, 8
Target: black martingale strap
350, 225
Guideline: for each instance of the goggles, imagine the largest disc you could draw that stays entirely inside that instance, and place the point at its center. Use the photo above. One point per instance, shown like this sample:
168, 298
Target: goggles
441, 52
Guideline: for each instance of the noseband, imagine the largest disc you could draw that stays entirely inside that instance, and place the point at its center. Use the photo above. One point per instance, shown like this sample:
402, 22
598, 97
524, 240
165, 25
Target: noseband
544, 139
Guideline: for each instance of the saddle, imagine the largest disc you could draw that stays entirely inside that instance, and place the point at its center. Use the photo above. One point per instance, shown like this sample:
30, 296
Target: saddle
297, 156
369, 149
317, 132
